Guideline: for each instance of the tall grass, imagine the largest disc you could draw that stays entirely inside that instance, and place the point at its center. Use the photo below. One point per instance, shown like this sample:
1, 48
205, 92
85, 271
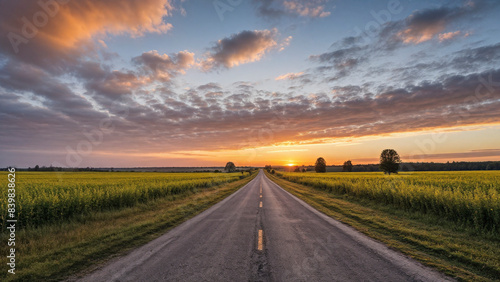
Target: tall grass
471, 199
44, 197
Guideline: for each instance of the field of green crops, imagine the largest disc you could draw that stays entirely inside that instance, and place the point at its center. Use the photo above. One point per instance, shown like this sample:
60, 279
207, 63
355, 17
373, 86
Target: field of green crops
44, 197
469, 198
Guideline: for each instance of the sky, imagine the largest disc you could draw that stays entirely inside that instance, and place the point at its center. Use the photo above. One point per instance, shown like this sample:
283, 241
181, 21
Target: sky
124, 83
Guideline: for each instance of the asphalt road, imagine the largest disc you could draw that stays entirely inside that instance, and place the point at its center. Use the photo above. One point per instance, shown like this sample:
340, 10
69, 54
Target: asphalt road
263, 233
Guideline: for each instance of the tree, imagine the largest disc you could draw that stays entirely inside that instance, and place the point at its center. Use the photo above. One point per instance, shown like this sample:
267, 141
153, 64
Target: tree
297, 169
320, 165
268, 168
272, 171
37, 167
230, 167
389, 161
347, 166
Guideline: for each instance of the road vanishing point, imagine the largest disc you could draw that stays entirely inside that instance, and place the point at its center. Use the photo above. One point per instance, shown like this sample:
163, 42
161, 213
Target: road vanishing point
263, 233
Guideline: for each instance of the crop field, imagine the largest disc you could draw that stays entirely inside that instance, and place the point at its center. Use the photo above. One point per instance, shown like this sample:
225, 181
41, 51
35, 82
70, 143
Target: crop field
44, 197
469, 198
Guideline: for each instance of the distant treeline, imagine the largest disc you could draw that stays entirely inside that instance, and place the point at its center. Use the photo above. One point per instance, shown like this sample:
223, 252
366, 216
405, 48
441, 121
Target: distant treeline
449, 166
54, 168
137, 169
70, 169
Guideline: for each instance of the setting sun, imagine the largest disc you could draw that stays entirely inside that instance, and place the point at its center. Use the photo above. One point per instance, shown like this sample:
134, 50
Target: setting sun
290, 164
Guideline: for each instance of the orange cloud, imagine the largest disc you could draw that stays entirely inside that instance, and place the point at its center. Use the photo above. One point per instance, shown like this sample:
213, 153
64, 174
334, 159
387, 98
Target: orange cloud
448, 35
44, 31
421, 34
290, 76
82, 19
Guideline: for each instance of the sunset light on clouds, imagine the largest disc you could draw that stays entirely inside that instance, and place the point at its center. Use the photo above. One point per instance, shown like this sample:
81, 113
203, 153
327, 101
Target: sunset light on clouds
199, 83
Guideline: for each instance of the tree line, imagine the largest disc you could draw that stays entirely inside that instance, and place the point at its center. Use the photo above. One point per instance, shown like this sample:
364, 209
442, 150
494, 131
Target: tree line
390, 162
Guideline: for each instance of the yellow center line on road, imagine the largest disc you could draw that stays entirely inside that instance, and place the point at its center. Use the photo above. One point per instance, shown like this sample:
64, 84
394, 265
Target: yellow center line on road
260, 206
261, 196
259, 245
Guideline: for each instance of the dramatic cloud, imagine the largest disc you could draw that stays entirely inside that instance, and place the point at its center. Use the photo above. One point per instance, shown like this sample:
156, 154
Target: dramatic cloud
50, 51
164, 67
48, 33
209, 118
244, 47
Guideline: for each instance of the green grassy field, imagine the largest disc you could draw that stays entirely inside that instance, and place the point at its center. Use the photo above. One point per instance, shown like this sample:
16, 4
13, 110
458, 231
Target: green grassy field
470, 198
446, 220
45, 197
69, 222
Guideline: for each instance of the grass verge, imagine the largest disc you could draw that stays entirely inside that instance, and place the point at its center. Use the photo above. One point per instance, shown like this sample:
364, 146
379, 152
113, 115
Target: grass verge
72, 249
456, 251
